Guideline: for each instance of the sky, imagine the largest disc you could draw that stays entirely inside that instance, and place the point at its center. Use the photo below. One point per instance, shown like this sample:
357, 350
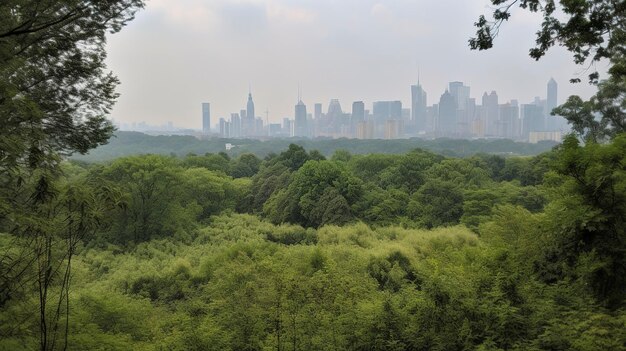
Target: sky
177, 54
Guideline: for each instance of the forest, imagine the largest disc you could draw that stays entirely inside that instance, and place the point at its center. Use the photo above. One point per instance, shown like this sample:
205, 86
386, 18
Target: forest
355, 252
131, 143
304, 246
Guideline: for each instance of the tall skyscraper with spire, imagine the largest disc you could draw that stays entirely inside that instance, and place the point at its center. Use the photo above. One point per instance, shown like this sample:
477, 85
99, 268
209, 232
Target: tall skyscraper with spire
250, 124
418, 106
300, 126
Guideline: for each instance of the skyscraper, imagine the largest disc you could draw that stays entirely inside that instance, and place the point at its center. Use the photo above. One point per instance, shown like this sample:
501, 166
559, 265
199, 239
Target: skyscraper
250, 124
532, 119
300, 126
357, 117
235, 125
553, 122
384, 110
551, 100
318, 111
491, 112
206, 117
461, 94
418, 107
447, 114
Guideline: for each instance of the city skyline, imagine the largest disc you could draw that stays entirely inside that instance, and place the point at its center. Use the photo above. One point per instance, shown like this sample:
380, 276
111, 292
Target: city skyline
455, 115
365, 50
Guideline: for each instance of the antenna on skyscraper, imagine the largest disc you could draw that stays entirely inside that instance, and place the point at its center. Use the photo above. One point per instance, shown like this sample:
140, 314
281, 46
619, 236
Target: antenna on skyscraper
417, 65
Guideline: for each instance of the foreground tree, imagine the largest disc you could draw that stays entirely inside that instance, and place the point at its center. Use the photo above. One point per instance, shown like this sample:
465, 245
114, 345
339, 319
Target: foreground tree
54, 95
593, 31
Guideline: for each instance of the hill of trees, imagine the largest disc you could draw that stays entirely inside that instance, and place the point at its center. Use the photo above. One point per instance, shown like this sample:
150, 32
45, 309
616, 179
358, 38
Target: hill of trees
134, 143
353, 252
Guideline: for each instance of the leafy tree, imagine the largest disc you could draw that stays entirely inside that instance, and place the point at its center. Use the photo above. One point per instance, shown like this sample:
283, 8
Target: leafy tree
54, 88
592, 30
54, 95
294, 157
152, 188
409, 171
587, 214
316, 187
437, 203
246, 165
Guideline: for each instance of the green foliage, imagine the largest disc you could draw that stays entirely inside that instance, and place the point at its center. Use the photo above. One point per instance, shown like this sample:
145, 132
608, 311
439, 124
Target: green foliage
592, 30
587, 216
535, 269
437, 203
163, 198
134, 143
321, 192
54, 87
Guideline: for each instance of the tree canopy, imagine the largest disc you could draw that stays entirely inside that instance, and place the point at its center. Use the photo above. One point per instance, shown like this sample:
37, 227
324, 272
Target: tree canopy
593, 31
54, 87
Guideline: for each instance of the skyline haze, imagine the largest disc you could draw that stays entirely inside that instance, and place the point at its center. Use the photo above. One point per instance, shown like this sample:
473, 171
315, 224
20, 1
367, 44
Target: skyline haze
176, 55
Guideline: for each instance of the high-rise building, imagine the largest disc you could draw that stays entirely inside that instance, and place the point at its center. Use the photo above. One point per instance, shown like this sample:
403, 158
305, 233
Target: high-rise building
418, 107
446, 124
384, 110
509, 122
235, 125
393, 128
318, 111
287, 127
224, 128
553, 122
250, 123
358, 116
300, 126
532, 119
551, 101
461, 94
491, 112
206, 117
358, 112
334, 109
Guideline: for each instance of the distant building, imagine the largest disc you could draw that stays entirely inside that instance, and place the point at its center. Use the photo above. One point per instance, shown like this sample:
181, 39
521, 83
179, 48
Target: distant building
287, 127
551, 100
509, 122
249, 123
384, 110
358, 116
365, 130
553, 123
532, 119
418, 107
461, 94
300, 126
235, 125
535, 137
275, 130
393, 128
491, 113
206, 118
224, 128
446, 121
318, 111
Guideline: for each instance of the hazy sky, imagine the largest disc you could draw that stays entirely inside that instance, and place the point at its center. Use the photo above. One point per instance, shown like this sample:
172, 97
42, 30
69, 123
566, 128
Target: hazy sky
179, 53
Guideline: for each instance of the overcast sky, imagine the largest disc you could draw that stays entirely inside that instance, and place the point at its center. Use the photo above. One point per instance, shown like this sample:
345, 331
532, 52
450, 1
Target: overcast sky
177, 54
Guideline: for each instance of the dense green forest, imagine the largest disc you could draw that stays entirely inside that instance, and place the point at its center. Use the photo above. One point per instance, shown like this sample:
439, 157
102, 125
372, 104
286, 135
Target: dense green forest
355, 252
395, 246
132, 143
